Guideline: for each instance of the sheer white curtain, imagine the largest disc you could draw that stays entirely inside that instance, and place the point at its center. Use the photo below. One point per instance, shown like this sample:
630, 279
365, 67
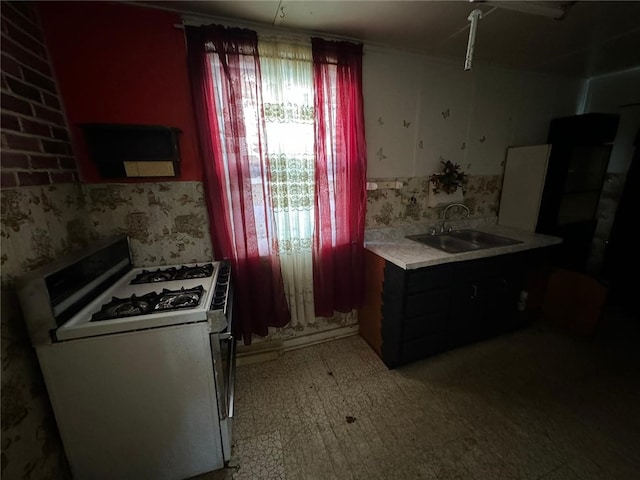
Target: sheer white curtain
287, 90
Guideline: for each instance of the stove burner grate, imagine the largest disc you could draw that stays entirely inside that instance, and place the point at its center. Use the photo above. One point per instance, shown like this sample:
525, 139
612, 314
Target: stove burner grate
198, 271
168, 300
178, 299
173, 273
125, 307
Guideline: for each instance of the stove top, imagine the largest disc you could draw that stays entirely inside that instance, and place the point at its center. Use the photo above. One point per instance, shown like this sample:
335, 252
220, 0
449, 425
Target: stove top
147, 298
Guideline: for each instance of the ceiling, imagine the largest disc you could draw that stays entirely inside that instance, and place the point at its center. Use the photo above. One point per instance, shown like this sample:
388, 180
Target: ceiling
593, 38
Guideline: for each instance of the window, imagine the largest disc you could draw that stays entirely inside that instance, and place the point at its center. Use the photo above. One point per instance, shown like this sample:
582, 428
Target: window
281, 130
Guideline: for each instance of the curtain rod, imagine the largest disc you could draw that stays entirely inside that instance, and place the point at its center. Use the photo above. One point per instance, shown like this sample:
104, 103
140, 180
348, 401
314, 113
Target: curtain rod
265, 30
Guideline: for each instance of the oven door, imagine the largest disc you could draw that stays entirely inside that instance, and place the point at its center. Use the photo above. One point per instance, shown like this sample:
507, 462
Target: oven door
223, 347
225, 372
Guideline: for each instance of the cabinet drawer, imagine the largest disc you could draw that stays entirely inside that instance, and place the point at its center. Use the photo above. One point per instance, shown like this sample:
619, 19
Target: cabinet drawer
436, 300
414, 328
492, 267
429, 277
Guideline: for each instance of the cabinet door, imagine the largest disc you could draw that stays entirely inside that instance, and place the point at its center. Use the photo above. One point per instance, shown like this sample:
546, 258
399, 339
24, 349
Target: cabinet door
501, 296
414, 312
485, 296
468, 299
425, 323
466, 314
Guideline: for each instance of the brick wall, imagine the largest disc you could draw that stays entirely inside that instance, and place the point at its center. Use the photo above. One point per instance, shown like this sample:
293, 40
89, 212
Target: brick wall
35, 140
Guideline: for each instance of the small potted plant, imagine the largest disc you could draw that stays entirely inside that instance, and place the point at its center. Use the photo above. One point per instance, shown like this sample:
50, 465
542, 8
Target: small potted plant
448, 185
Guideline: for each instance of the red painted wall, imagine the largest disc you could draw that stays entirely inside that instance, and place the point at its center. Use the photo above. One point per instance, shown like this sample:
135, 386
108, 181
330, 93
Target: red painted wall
119, 63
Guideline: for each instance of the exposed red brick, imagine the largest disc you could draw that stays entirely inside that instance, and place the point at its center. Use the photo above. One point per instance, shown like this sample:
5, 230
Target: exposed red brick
24, 56
23, 90
60, 133
49, 115
26, 9
43, 161
36, 128
10, 66
27, 41
28, 24
14, 104
8, 179
52, 146
67, 162
38, 178
62, 177
14, 160
51, 100
10, 122
39, 80
20, 142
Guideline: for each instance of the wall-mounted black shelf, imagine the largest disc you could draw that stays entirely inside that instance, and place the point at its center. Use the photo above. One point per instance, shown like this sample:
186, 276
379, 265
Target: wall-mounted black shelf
129, 150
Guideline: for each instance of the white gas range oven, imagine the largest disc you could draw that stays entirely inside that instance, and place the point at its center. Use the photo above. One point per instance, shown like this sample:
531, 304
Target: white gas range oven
138, 363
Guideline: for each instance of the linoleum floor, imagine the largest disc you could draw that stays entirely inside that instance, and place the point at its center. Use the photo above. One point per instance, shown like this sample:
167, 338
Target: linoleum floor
535, 404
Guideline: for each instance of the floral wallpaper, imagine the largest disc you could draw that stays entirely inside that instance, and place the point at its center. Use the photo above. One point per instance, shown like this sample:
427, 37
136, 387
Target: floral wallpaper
39, 224
409, 204
167, 223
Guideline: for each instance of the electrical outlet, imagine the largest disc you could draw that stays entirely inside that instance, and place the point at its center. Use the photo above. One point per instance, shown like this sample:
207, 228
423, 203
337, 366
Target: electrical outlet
389, 185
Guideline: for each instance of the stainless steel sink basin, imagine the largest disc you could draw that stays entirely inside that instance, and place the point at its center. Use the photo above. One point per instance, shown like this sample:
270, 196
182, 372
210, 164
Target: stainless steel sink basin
445, 242
462, 241
485, 240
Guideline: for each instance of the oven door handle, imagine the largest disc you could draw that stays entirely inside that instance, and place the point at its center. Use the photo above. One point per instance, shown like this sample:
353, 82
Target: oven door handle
225, 393
231, 379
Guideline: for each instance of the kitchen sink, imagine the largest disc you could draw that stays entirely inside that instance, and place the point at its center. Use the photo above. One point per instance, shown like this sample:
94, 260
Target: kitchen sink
485, 240
444, 242
462, 240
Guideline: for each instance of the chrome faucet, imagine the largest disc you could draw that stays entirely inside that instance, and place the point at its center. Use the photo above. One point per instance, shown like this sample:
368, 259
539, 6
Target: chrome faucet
444, 213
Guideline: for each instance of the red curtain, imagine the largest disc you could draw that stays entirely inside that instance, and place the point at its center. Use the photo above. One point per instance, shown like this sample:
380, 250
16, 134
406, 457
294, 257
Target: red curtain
341, 165
225, 78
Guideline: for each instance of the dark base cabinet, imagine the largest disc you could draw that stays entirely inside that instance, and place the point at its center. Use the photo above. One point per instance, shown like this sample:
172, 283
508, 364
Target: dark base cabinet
433, 309
415, 306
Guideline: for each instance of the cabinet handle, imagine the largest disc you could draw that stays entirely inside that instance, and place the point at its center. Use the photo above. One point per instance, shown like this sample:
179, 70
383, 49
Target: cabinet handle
474, 295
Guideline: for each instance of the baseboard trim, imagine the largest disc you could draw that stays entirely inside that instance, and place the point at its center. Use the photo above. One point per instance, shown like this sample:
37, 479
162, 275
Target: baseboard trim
271, 350
320, 337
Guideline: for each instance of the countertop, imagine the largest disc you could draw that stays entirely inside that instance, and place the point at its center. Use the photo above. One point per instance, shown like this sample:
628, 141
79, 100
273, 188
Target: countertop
390, 244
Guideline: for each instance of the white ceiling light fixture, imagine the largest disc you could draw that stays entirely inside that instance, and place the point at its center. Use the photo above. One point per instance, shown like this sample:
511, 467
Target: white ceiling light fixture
546, 9
474, 16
